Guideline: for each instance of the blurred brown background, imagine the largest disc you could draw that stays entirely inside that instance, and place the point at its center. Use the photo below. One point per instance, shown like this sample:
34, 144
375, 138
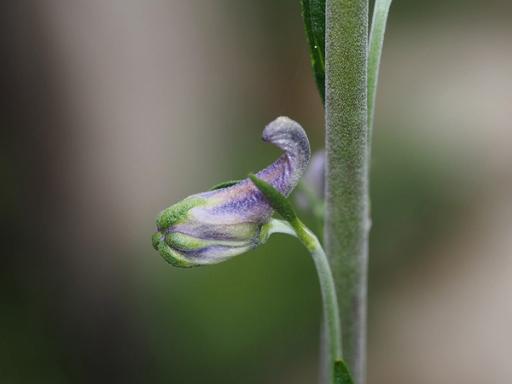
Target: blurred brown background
113, 110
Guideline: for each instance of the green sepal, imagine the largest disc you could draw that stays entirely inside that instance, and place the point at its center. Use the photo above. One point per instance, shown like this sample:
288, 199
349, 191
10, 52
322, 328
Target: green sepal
341, 373
173, 257
225, 184
277, 200
313, 13
177, 212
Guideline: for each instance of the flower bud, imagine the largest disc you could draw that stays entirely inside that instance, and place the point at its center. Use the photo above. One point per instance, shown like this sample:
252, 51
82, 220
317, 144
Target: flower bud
313, 182
213, 226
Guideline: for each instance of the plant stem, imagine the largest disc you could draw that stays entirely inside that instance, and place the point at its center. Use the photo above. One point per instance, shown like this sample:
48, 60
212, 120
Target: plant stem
328, 290
292, 225
380, 16
347, 205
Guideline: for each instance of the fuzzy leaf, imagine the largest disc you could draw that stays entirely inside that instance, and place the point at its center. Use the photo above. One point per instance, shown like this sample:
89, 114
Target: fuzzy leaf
279, 202
341, 373
313, 13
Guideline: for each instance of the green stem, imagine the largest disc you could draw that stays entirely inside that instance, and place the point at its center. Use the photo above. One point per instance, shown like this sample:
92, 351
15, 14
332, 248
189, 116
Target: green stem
327, 287
330, 304
347, 204
294, 226
380, 16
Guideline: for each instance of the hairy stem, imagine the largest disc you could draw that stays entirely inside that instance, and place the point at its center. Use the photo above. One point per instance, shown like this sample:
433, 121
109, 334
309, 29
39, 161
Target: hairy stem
380, 16
347, 206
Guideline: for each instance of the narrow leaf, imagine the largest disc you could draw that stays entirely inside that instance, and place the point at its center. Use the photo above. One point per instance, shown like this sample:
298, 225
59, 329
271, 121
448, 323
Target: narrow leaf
275, 198
313, 13
380, 16
341, 373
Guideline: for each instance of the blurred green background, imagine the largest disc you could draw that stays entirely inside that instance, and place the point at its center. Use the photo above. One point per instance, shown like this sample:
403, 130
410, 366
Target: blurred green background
113, 110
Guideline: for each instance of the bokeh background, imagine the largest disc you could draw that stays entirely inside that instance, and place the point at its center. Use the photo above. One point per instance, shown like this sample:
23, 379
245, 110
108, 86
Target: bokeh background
113, 110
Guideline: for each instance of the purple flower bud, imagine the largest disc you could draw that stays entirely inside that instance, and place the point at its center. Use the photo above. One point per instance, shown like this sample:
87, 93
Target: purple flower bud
213, 226
313, 182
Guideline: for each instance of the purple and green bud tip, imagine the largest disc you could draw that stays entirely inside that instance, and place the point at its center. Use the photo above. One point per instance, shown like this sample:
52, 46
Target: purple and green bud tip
213, 226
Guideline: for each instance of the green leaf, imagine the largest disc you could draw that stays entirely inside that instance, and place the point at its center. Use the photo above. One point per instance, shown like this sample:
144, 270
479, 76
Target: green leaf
378, 29
225, 184
341, 373
313, 13
279, 202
